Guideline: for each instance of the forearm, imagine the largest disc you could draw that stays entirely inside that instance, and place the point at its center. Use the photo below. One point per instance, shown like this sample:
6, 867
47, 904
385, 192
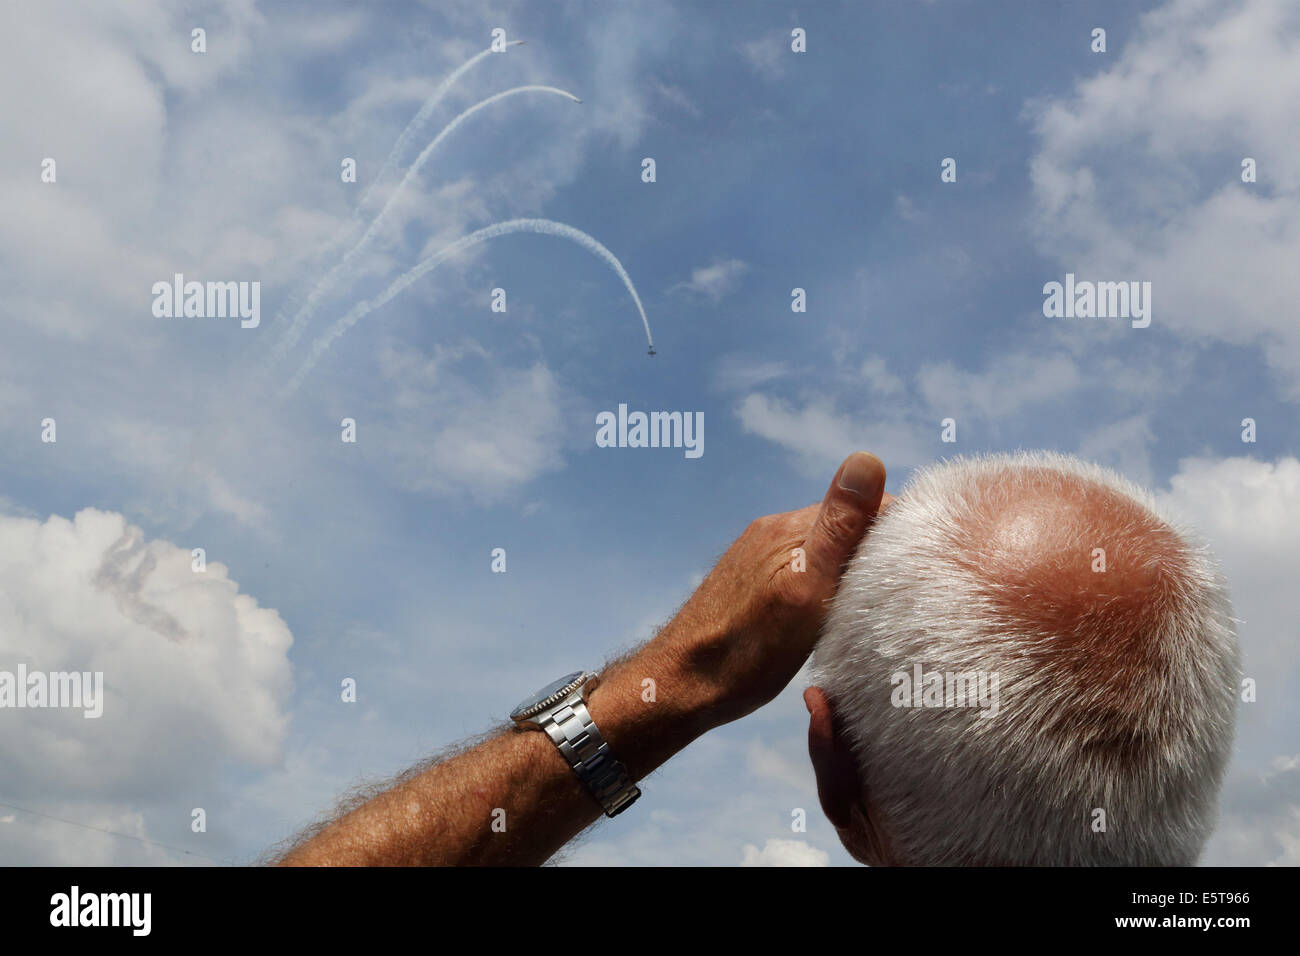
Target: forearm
444, 816
518, 781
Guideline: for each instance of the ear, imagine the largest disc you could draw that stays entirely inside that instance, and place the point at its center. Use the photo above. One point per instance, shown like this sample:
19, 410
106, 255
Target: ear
838, 785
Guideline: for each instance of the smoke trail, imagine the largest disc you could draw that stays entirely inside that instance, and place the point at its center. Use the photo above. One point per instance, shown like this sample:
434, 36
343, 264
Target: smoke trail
545, 227
309, 307
422, 117
400, 147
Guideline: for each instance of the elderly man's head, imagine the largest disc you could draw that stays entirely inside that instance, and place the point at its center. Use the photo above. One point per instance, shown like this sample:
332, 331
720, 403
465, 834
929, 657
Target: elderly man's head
1025, 664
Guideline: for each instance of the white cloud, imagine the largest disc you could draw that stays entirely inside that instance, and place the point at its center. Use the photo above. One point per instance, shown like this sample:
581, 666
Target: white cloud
444, 432
786, 766
1138, 176
1259, 824
1008, 384
677, 97
879, 380
105, 125
784, 853
716, 281
906, 209
821, 437
185, 656
80, 834
738, 373
323, 31
1248, 511
766, 54
196, 675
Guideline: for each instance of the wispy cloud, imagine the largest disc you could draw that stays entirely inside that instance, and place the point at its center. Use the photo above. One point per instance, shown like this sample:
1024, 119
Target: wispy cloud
766, 54
714, 282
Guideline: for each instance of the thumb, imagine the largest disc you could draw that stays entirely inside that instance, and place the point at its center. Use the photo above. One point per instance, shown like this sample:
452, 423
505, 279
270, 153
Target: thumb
847, 511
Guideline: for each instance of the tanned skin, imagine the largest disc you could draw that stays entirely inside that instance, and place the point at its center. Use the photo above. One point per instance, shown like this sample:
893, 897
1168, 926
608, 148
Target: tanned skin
733, 647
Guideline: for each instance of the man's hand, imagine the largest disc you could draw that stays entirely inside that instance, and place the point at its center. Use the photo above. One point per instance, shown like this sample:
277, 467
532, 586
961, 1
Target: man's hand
753, 622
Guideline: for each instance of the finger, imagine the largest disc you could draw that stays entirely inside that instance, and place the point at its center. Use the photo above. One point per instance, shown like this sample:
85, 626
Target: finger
851, 503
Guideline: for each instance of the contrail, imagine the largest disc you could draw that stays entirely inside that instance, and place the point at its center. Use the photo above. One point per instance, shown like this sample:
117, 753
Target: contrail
545, 227
308, 309
403, 143
422, 117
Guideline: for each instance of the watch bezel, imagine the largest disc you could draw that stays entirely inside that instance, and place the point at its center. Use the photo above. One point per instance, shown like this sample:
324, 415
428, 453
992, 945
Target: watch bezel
583, 679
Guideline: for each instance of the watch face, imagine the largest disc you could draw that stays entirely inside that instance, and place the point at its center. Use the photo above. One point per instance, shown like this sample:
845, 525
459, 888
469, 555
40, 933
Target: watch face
547, 692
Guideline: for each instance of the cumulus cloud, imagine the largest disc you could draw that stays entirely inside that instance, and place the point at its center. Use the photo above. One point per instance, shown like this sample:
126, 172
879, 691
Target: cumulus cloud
1248, 511
185, 656
784, 853
196, 675
1137, 174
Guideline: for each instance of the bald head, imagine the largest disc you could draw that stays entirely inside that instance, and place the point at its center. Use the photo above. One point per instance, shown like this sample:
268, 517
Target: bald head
1084, 564
1097, 639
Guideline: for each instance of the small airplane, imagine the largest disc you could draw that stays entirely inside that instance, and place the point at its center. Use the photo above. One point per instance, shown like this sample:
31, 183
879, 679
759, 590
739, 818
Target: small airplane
652, 351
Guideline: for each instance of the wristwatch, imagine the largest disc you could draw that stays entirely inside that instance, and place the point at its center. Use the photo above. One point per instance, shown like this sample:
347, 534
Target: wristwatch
560, 710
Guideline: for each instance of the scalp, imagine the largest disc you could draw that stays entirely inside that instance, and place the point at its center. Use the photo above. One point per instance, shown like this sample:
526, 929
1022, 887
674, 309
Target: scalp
1086, 572
1074, 559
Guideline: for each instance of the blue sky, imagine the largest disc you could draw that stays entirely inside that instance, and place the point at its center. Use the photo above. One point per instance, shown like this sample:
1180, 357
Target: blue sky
775, 170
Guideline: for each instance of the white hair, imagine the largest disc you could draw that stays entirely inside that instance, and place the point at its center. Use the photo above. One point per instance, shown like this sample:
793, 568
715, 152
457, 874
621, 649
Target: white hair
1110, 635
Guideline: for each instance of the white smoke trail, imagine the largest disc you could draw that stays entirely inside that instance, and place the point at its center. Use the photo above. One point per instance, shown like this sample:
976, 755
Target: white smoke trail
422, 117
545, 227
309, 307
400, 147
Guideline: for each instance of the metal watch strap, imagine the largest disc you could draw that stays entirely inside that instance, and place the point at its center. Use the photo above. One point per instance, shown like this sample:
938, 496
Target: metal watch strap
571, 728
